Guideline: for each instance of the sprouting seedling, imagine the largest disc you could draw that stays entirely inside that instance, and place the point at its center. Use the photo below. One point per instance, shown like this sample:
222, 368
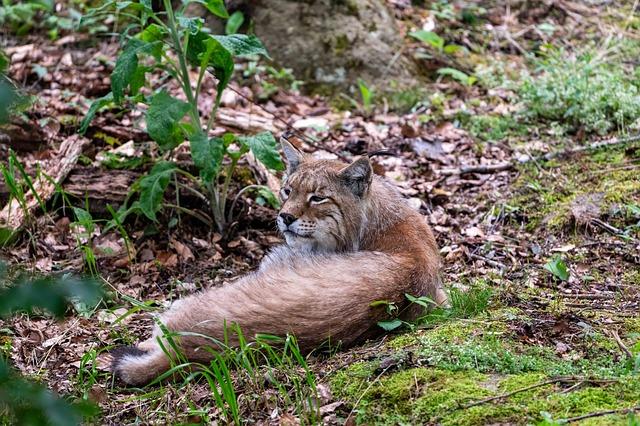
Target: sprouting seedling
558, 268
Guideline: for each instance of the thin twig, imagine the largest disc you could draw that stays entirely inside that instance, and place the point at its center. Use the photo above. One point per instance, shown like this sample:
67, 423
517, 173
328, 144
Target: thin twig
490, 262
572, 388
621, 345
508, 165
364, 393
602, 413
508, 394
563, 379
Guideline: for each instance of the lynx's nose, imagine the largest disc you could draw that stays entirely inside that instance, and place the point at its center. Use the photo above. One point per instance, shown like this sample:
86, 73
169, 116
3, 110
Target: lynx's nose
287, 218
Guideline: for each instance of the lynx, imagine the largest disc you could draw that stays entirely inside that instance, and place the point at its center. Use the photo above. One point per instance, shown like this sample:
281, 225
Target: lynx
351, 240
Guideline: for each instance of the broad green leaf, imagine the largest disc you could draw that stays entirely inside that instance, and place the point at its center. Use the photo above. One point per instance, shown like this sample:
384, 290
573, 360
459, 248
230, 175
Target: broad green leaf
222, 62
152, 188
234, 22
450, 49
390, 325
4, 62
163, 119
153, 32
265, 148
127, 65
84, 218
49, 293
365, 93
137, 80
207, 155
193, 25
8, 98
93, 109
205, 51
429, 37
558, 268
457, 75
269, 196
422, 300
242, 45
217, 8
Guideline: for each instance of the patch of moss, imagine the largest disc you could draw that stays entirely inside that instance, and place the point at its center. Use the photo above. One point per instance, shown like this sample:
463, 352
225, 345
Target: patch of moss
340, 44
544, 198
403, 341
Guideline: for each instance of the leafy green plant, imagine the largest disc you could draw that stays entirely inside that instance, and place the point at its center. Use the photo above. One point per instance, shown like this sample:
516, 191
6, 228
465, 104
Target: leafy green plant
84, 228
22, 401
365, 103
435, 41
558, 268
234, 22
171, 42
464, 78
392, 310
12, 101
577, 93
271, 79
19, 184
20, 17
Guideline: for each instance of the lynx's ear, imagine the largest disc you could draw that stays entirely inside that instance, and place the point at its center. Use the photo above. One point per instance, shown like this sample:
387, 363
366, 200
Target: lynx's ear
357, 176
292, 155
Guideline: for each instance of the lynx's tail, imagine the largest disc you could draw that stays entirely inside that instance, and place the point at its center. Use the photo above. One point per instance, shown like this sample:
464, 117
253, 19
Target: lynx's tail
313, 297
135, 366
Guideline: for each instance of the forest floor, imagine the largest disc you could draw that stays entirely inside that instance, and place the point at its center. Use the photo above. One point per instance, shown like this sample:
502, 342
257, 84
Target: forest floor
541, 254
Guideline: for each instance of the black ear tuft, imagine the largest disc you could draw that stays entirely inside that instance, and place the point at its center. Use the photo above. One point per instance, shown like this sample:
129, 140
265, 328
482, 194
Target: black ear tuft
357, 176
292, 155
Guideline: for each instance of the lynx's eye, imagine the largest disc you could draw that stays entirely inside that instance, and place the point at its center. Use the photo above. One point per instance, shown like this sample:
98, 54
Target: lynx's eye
316, 199
285, 192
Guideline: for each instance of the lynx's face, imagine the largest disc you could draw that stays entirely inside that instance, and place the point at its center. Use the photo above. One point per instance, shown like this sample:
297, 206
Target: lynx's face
323, 202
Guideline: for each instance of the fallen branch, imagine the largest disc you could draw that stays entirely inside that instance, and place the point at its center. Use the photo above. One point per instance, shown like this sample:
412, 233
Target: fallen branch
602, 413
589, 296
563, 379
508, 165
14, 215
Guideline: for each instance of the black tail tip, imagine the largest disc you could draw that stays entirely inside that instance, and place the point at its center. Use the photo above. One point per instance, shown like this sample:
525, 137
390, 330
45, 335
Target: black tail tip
117, 354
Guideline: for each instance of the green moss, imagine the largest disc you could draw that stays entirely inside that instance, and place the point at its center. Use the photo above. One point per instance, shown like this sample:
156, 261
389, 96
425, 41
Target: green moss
402, 341
545, 199
341, 43
348, 383
470, 360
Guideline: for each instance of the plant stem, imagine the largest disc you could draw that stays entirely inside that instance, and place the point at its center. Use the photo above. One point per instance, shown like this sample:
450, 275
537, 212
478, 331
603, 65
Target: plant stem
237, 197
214, 199
186, 84
225, 186
212, 115
198, 215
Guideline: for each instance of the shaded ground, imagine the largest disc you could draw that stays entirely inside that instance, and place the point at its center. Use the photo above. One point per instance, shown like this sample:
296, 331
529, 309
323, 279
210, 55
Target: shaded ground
513, 324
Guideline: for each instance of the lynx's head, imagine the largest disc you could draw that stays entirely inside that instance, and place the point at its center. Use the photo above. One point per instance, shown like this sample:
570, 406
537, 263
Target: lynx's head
323, 202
